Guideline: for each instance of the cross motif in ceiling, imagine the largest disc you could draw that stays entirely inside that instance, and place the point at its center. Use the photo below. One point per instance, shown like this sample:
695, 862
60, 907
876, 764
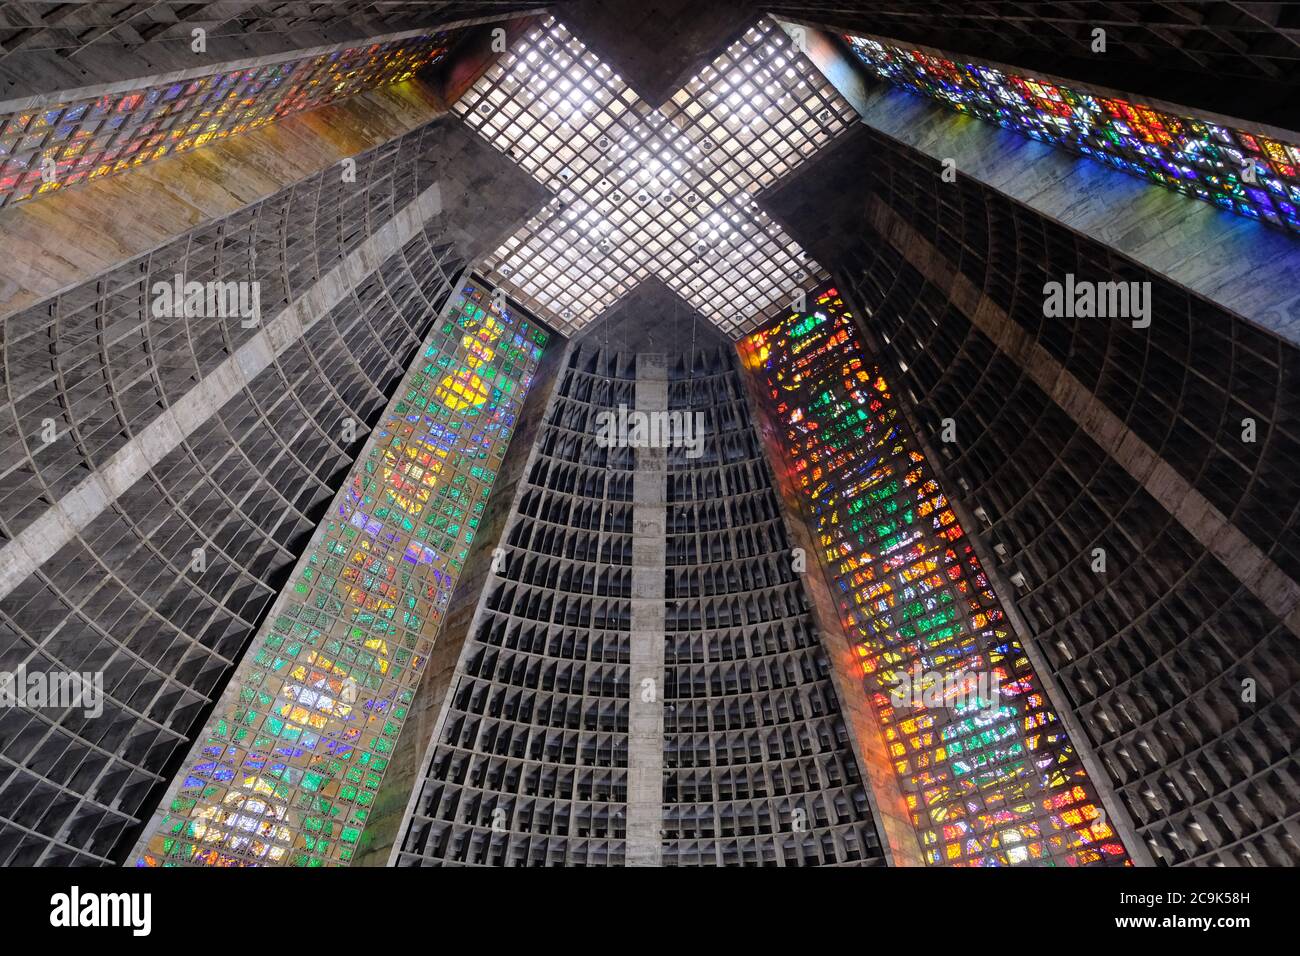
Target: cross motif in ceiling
640, 191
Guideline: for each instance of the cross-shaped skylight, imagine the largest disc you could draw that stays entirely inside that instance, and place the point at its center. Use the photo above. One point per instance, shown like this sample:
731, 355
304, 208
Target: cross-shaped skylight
640, 191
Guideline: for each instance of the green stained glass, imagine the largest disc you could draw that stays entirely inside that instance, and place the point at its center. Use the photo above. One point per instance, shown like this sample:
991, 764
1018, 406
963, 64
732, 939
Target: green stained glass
329, 706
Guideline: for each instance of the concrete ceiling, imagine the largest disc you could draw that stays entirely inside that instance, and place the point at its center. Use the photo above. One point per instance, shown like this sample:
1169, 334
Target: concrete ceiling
653, 318
656, 45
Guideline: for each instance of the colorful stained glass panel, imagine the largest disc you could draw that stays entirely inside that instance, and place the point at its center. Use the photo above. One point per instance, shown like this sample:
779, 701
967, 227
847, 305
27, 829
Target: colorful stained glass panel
291, 761
988, 773
75, 142
1243, 172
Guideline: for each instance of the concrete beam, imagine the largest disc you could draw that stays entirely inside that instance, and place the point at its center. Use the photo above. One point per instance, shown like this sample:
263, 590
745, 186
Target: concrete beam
645, 744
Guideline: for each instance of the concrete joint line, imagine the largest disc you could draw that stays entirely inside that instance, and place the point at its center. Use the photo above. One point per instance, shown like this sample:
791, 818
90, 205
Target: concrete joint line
72, 513
1198, 516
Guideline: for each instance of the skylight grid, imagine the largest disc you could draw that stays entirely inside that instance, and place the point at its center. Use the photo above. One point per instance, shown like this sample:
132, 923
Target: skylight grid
640, 191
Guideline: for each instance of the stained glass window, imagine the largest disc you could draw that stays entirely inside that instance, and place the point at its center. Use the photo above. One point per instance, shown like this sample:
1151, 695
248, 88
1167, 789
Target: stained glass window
988, 773
1196, 157
87, 139
292, 758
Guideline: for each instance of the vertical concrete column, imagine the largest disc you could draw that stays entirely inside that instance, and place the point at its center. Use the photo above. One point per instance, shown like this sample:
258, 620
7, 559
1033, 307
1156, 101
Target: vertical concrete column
645, 759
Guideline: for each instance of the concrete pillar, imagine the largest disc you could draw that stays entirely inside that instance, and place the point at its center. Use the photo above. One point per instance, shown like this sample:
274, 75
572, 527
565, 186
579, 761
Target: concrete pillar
645, 760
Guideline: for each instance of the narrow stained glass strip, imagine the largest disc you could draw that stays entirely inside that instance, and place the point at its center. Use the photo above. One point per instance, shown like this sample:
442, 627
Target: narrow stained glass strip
79, 141
988, 773
293, 756
1240, 171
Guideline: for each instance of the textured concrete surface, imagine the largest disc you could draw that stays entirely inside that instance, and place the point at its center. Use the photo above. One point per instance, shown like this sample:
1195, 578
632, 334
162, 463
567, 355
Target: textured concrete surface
47, 246
656, 45
65, 518
652, 318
